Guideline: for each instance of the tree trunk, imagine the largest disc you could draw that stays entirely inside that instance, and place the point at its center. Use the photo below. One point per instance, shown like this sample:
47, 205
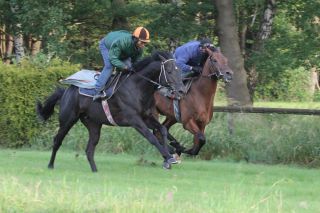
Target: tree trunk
18, 37
9, 49
35, 45
2, 42
18, 47
266, 25
264, 34
237, 90
314, 83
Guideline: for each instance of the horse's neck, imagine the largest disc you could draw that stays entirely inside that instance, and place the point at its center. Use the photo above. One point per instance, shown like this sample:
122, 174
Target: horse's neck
142, 80
151, 71
206, 87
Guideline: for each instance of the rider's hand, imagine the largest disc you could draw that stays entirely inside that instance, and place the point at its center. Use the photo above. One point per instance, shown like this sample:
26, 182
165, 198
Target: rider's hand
129, 69
197, 69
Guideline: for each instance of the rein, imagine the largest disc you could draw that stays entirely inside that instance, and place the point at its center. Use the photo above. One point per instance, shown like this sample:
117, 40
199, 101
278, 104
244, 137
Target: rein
163, 71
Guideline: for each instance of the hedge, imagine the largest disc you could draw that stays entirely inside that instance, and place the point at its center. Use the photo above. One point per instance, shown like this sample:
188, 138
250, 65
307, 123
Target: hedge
21, 86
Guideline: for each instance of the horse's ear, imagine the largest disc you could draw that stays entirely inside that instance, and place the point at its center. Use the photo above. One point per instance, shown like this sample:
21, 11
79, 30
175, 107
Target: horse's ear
161, 57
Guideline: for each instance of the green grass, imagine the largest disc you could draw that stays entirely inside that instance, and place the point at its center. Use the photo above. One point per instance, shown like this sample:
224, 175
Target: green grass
125, 183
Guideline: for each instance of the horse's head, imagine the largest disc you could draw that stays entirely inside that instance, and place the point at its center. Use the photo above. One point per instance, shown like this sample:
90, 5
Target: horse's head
217, 66
170, 75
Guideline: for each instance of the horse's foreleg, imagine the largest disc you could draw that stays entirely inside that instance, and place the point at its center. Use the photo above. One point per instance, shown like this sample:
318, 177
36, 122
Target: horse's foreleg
198, 137
57, 141
173, 142
142, 128
159, 131
94, 130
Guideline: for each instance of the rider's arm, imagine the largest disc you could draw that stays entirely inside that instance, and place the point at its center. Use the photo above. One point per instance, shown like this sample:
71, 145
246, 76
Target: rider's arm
114, 55
181, 60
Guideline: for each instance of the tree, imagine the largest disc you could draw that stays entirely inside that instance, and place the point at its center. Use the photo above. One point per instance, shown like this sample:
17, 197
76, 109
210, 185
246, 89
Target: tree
229, 41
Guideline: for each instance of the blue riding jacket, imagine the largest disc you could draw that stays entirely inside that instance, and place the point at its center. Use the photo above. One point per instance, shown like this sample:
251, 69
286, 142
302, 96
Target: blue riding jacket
188, 55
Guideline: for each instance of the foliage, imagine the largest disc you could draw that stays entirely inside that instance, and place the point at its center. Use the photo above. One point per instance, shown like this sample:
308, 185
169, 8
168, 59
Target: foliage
21, 86
285, 57
72, 29
290, 85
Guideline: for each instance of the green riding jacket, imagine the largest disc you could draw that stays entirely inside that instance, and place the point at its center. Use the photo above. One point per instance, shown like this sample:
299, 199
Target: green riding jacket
121, 46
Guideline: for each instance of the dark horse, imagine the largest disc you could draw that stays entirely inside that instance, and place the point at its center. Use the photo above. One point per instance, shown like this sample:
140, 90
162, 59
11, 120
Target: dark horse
196, 108
130, 106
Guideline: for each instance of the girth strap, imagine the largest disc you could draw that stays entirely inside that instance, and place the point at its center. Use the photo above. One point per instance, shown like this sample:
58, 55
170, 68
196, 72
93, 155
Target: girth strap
176, 110
106, 110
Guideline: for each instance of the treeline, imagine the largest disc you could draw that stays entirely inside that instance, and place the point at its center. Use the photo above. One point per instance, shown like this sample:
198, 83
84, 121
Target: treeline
275, 37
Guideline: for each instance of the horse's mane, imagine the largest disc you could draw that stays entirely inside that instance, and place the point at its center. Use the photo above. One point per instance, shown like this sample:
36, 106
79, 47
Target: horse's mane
139, 65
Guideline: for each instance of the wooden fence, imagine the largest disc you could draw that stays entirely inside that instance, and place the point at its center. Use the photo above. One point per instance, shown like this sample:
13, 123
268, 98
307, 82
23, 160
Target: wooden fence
233, 109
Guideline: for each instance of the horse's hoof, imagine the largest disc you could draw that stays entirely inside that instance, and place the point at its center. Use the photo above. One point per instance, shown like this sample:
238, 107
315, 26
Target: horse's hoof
177, 157
166, 165
172, 160
50, 167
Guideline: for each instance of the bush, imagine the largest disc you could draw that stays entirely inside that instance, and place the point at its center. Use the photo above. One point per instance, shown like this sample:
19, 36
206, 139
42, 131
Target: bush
290, 85
264, 139
21, 85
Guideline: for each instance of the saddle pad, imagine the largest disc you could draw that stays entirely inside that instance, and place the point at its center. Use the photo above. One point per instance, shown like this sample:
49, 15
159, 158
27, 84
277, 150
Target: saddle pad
82, 79
87, 92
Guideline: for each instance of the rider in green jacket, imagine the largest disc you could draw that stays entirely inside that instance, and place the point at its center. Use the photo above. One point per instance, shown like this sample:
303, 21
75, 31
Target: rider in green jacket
120, 49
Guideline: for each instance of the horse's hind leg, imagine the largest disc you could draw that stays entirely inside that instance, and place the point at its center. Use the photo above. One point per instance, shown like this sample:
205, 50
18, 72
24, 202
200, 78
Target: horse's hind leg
94, 130
57, 141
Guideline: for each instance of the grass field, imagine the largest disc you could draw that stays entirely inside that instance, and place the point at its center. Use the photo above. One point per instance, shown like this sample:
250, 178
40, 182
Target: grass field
129, 183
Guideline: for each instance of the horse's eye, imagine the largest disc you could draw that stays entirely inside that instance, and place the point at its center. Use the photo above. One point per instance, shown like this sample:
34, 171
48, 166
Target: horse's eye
213, 60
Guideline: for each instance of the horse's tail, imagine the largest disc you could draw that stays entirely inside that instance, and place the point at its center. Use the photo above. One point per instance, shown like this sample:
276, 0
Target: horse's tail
44, 112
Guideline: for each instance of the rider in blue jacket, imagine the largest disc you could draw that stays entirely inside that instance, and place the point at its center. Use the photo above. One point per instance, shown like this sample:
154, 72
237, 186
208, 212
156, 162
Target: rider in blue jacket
191, 56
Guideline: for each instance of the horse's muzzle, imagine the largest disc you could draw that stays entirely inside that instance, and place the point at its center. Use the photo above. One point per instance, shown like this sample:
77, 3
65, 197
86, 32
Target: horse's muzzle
227, 77
180, 92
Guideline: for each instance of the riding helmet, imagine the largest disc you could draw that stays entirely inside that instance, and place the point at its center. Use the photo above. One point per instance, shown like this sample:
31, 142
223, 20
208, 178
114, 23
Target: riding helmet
206, 42
142, 34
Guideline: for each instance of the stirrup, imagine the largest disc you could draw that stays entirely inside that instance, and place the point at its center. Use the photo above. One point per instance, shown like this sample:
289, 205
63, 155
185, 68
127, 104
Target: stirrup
99, 95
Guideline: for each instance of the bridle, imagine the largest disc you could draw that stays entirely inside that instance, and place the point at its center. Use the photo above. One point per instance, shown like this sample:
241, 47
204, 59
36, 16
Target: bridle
215, 75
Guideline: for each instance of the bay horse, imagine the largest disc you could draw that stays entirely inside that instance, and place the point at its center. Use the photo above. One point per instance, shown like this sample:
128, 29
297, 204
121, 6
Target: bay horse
196, 108
130, 106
